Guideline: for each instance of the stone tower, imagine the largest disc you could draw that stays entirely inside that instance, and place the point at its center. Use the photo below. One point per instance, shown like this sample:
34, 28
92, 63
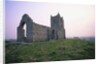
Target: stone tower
57, 26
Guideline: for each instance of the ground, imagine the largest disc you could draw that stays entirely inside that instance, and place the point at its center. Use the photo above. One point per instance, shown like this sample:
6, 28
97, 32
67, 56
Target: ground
54, 50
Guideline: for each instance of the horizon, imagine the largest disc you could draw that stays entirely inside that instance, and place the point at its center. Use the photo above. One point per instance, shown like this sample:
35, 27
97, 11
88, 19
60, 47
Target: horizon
79, 20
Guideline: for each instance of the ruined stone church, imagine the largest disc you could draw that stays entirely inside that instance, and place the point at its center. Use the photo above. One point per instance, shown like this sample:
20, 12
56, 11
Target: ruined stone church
36, 32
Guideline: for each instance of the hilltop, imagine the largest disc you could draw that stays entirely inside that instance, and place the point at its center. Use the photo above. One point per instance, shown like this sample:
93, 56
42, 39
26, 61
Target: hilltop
53, 50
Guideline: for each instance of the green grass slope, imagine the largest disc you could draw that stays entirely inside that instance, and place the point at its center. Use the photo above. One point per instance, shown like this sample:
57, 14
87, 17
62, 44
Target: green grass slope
54, 50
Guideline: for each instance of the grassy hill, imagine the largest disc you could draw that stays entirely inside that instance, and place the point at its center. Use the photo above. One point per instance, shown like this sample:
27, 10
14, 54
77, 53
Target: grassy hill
54, 50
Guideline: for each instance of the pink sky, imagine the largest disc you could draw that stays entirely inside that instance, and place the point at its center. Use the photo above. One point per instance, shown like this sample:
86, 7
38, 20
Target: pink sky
79, 20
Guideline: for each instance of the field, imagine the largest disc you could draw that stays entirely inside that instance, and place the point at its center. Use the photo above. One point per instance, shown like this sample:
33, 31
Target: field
53, 50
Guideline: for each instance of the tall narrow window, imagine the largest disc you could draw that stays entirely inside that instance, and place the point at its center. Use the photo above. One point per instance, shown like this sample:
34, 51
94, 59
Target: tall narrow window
25, 30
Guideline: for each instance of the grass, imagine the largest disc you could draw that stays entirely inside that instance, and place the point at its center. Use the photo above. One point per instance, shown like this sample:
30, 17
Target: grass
54, 50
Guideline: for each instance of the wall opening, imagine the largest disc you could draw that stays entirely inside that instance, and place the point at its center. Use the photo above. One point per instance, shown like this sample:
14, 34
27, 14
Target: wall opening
53, 34
25, 30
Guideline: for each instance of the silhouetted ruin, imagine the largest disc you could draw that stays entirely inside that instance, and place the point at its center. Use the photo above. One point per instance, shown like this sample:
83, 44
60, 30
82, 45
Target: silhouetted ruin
36, 32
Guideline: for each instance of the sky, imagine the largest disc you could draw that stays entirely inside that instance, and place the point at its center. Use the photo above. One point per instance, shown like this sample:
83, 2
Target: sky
79, 19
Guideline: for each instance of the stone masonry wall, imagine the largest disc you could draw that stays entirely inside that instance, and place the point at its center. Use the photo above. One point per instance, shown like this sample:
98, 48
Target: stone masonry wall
37, 32
40, 32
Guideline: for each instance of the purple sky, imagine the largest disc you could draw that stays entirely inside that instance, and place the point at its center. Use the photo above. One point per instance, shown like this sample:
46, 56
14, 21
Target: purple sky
79, 20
